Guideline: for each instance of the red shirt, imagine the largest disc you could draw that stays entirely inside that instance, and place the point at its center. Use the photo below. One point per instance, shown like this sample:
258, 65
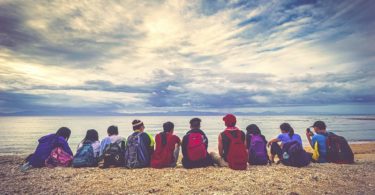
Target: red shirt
163, 154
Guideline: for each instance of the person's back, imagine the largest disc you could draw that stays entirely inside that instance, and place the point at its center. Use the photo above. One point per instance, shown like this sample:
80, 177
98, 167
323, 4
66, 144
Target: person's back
112, 149
321, 139
46, 145
285, 138
139, 147
257, 146
194, 147
88, 150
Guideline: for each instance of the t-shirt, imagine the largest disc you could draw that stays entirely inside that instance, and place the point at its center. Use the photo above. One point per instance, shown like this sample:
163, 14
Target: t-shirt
162, 151
285, 138
95, 147
321, 139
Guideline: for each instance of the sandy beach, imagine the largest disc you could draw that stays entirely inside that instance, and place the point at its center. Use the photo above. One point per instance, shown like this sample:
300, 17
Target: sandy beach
358, 178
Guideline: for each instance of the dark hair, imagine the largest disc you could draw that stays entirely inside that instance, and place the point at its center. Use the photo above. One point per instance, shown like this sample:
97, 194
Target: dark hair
253, 129
195, 122
287, 128
320, 125
64, 132
91, 135
137, 127
168, 127
112, 130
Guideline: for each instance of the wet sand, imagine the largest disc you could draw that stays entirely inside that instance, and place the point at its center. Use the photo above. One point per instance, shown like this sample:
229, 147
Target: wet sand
358, 178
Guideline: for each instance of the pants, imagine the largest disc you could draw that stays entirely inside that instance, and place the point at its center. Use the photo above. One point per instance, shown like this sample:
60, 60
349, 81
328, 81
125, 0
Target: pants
217, 159
197, 164
276, 150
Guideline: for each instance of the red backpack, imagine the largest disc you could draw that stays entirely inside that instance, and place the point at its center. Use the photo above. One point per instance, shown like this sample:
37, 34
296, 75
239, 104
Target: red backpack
196, 148
163, 155
237, 155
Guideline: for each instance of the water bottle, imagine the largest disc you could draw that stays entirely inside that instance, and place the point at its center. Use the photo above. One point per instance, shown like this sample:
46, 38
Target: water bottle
285, 155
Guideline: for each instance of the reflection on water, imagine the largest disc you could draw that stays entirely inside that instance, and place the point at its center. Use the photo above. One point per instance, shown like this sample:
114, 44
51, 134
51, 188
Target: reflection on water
19, 135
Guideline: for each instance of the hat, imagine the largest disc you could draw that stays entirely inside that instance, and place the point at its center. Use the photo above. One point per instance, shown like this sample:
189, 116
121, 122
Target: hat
319, 125
229, 120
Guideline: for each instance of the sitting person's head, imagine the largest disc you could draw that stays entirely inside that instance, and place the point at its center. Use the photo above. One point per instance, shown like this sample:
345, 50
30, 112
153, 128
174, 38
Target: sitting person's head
64, 132
286, 128
319, 127
91, 135
253, 129
138, 125
168, 127
230, 120
195, 123
112, 130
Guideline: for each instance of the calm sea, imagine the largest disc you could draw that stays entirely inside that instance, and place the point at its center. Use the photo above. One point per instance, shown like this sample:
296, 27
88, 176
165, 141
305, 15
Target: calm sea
19, 135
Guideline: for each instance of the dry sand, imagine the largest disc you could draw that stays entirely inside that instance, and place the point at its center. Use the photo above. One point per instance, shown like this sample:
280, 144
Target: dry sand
358, 178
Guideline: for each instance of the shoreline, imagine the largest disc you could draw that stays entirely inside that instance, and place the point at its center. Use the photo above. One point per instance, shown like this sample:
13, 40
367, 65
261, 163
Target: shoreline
325, 178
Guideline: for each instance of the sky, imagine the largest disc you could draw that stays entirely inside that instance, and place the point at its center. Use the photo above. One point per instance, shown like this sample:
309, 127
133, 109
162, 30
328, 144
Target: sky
100, 57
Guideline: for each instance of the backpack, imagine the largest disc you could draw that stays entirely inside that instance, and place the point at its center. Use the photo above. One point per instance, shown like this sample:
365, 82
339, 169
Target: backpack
257, 150
113, 154
237, 156
164, 156
294, 155
85, 156
136, 153
196, 148
58, 158
338, 150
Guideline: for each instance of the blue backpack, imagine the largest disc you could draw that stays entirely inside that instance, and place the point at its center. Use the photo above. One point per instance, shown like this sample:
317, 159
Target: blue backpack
85, 156
136, 152
294, 155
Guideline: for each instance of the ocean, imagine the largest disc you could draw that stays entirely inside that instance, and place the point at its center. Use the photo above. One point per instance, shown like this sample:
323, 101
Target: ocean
19, 135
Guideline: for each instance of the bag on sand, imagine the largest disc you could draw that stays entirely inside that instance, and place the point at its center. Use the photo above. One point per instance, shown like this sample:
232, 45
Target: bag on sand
338, 150
294, 155
113, 155
58, 158
85, 156
196, 149
136, 153
257, 150
237, 155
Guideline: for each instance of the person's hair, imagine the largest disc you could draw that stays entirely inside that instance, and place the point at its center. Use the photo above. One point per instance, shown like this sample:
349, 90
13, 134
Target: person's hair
64, 132
320, 125
195, 122
168, 126
287, 128
253, 129
112, 130
91, 135
137, 124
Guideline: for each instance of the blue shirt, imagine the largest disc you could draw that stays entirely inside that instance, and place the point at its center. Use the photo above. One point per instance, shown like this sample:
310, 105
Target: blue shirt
321, 139
285, 138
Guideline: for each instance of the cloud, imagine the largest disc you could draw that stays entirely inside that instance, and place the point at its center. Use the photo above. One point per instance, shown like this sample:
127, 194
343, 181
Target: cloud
185, 55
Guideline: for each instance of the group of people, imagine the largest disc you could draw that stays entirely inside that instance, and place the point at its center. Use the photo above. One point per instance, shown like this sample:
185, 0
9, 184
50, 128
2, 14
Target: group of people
236, 149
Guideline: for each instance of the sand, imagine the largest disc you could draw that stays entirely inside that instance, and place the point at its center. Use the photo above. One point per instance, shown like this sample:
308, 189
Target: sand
358, 178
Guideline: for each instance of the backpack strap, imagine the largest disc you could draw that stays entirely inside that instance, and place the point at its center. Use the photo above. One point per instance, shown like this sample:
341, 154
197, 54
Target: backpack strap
230, 136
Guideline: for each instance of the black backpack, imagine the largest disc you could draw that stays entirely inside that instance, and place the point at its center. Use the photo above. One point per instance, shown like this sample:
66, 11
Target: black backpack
338, 150
113, 155
294, 155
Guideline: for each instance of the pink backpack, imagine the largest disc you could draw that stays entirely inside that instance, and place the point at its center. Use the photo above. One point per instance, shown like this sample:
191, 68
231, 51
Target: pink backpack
58, 158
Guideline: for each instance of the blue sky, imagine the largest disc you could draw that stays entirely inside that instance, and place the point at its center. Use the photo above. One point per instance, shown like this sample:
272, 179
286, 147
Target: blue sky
174, 55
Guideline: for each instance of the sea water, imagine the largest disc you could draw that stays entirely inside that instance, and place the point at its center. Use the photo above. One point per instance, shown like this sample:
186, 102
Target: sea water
19, 135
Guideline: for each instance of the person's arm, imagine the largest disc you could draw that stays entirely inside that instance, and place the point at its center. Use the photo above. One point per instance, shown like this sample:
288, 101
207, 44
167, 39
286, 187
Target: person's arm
220, 146
308, 136
66, 148
272, 140
183, 146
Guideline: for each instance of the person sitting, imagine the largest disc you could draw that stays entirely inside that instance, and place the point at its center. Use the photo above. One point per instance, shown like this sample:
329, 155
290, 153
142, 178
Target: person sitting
139, 147
112, 149
88, 150
194, 147
167, 148
287, 135
46, 145
257, 146
319, 138
231, 146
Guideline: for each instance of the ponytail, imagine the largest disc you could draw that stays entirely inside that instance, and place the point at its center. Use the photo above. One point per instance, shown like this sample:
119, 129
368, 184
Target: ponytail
163, 138
287, 128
